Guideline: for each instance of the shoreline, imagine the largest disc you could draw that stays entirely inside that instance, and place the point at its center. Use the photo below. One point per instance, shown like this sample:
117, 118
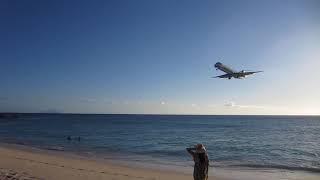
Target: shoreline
28, 161
118, 159
24, 162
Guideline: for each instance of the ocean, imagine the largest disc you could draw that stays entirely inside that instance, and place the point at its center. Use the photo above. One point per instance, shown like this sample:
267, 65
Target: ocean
260, 142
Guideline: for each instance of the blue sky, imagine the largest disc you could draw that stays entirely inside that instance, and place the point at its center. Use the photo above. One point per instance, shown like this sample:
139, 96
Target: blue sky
158, 56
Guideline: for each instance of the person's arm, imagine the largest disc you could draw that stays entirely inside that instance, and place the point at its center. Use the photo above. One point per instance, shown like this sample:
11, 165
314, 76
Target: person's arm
190, 151
207, 159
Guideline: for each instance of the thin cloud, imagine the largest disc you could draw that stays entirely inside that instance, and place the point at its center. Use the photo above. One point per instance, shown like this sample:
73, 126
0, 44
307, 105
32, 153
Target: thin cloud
233, 104
52, 110
88, 100
213, 106
196, 106
230, 104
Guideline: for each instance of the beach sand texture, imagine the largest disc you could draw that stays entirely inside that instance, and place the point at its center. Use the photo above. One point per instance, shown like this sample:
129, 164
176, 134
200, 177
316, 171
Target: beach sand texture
25, 164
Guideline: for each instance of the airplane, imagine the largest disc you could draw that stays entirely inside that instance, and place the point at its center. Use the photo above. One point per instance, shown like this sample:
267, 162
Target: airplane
231, 73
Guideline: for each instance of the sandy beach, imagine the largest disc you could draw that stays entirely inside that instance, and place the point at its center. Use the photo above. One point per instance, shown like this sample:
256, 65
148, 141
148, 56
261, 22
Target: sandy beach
25, 163
18, 162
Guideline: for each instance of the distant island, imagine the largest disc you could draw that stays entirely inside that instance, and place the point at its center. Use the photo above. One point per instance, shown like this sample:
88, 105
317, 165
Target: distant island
9, 115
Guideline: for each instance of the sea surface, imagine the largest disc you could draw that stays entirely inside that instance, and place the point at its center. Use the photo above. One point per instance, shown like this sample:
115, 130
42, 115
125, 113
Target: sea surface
262, 142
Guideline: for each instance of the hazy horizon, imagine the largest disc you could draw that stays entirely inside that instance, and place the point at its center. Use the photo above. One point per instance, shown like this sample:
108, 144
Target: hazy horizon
68, 113
143, 57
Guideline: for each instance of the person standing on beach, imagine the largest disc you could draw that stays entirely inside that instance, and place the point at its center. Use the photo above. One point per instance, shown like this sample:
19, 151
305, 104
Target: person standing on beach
201, 162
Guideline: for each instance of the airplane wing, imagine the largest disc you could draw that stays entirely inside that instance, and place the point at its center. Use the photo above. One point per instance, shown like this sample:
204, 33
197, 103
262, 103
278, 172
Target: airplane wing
224, 68
252, 72
222, 76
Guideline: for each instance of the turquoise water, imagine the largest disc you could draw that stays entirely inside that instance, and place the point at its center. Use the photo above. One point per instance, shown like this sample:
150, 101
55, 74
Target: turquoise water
277, 142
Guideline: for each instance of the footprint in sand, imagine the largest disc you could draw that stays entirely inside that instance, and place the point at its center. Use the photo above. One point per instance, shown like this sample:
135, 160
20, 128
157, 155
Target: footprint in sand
8, 174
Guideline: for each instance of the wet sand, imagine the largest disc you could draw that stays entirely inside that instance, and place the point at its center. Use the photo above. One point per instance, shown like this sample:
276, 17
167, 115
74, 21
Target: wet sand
24, 163
27, 163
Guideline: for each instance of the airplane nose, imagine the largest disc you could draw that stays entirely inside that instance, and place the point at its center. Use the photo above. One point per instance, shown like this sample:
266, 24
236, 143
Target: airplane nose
217, 64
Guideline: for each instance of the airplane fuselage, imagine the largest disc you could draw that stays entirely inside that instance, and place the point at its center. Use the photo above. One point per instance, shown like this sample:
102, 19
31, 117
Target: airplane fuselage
231, 73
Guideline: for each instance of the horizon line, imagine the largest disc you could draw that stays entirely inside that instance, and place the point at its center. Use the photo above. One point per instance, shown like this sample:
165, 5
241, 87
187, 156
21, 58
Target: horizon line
159, 114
